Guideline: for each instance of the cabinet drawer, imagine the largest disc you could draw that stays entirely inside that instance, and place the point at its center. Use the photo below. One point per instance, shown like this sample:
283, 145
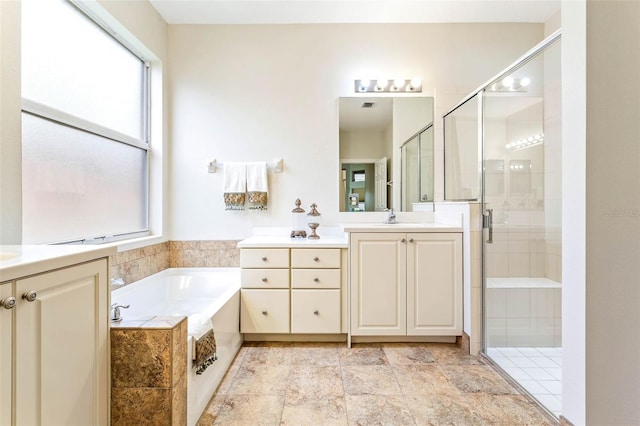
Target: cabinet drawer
264, 311
315, 258
264, 258
315, 278
315, 311
265, 278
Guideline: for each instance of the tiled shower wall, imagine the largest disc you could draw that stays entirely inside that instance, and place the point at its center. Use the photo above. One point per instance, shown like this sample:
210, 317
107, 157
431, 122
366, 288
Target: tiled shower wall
133, 265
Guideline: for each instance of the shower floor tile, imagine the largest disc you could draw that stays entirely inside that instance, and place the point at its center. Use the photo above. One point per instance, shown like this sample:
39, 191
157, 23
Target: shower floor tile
538, 370
404, 384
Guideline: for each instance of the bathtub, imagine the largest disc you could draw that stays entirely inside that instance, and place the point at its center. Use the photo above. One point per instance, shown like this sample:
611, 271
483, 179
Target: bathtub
523, 312
214, 292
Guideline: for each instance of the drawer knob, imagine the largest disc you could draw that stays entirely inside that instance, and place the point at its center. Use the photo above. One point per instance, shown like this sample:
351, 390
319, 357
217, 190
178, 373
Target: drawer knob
264, 259
30, 296
316, 259
403, 240
8, 303
410, 240
264, 313
316, 280
316, 312
264, 280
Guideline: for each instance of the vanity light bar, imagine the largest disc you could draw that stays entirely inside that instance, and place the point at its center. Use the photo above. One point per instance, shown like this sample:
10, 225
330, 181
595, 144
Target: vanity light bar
526, 142
399, 85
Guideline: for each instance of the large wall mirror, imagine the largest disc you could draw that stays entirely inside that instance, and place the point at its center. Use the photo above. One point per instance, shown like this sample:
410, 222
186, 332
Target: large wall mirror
386, 154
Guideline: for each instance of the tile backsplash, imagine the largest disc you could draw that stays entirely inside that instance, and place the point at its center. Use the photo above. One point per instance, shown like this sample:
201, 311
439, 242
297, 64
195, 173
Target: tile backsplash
133, 265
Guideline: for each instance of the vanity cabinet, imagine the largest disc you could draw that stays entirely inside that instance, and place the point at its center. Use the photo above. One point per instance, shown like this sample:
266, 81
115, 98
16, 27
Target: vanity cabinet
290, 290
406, 284
54, 352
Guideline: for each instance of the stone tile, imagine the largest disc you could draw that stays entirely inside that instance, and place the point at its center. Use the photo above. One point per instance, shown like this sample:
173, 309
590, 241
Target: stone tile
179, 350
151, 364
369, 380
507, 410
309, 355
159, 262
363, 355
136, 269
261, 380
228, 379
407, 355
179, 402
478, 378
311, 382
378, 410
245, 410
183, 245
210, 413
312, 412
424, 380
141, 406
452, 354
268, 355
443, 410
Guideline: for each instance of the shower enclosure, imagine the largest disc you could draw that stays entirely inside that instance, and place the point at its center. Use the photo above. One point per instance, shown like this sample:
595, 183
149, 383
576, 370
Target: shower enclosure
417, 171
503, 148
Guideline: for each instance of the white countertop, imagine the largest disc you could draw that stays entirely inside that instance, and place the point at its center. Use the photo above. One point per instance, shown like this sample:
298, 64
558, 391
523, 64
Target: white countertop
20, 261
402, 227
265, 241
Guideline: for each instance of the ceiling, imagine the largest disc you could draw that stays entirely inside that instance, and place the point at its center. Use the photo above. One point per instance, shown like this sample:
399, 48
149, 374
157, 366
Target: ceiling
353, 11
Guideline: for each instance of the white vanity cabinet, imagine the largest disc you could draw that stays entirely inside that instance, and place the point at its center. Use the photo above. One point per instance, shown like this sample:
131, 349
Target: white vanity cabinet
264, 306
54, 351
293, 286
406, 283
315, 290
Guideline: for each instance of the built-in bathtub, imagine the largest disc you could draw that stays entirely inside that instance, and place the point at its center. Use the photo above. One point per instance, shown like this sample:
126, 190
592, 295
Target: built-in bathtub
523, 312
214, 292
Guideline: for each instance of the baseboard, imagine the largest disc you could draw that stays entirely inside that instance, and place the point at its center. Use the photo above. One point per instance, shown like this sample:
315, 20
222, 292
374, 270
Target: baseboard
266, 337
403, 339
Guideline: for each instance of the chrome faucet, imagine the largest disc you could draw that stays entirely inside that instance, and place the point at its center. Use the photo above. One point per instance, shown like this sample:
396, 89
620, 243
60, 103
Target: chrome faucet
391, 216
116, 312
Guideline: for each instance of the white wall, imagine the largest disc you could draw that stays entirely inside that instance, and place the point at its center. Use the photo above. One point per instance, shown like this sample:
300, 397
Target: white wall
252, 92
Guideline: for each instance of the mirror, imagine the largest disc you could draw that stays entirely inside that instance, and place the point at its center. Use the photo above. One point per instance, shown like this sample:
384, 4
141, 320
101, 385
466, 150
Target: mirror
386, 154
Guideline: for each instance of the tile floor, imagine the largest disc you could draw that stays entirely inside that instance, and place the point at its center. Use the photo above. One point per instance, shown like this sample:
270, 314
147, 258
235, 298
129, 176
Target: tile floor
373, 384
538, 370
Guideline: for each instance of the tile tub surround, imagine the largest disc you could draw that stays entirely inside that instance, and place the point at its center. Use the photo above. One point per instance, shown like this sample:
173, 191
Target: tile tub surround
133, 265
389, 383
149, 372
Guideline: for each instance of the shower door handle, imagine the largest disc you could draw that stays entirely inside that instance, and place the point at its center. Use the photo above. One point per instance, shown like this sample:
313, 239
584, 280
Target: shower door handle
488, 223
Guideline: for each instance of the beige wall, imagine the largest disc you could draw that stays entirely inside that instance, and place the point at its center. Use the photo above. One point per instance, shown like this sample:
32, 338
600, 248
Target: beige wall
255, 92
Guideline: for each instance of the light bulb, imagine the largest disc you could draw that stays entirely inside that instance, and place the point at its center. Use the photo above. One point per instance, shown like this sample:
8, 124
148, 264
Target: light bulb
382, 84
508, 81
364, 84
398, 83
525, 81
416, 82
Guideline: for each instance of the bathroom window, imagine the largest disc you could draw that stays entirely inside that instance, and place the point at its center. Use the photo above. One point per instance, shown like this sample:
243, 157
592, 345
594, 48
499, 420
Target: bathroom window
84, 129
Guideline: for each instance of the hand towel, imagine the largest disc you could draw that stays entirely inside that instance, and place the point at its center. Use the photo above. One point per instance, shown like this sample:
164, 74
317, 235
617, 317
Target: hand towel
235, 185
257, 185
200, 328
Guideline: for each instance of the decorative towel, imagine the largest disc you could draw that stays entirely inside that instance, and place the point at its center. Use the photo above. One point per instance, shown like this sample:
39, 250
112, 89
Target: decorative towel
257, 185
235, 185
200, 329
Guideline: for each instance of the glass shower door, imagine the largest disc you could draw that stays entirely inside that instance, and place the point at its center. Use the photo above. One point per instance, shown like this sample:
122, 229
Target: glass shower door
522, 199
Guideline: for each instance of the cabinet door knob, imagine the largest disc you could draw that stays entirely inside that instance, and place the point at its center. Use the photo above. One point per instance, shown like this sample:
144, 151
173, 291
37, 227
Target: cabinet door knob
264, 259
30, 296
316, 259
8, 303
410, 240
403, 240
264, 280
316, 280
264, 312
316, 312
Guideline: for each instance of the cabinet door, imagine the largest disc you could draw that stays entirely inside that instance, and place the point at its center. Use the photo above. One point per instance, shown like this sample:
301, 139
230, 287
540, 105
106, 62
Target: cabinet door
264, 311
378, 283
434, 284
62, 359
6, 327
315, 311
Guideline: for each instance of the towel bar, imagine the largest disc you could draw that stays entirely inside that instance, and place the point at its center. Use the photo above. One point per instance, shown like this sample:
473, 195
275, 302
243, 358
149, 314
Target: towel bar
276, 165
